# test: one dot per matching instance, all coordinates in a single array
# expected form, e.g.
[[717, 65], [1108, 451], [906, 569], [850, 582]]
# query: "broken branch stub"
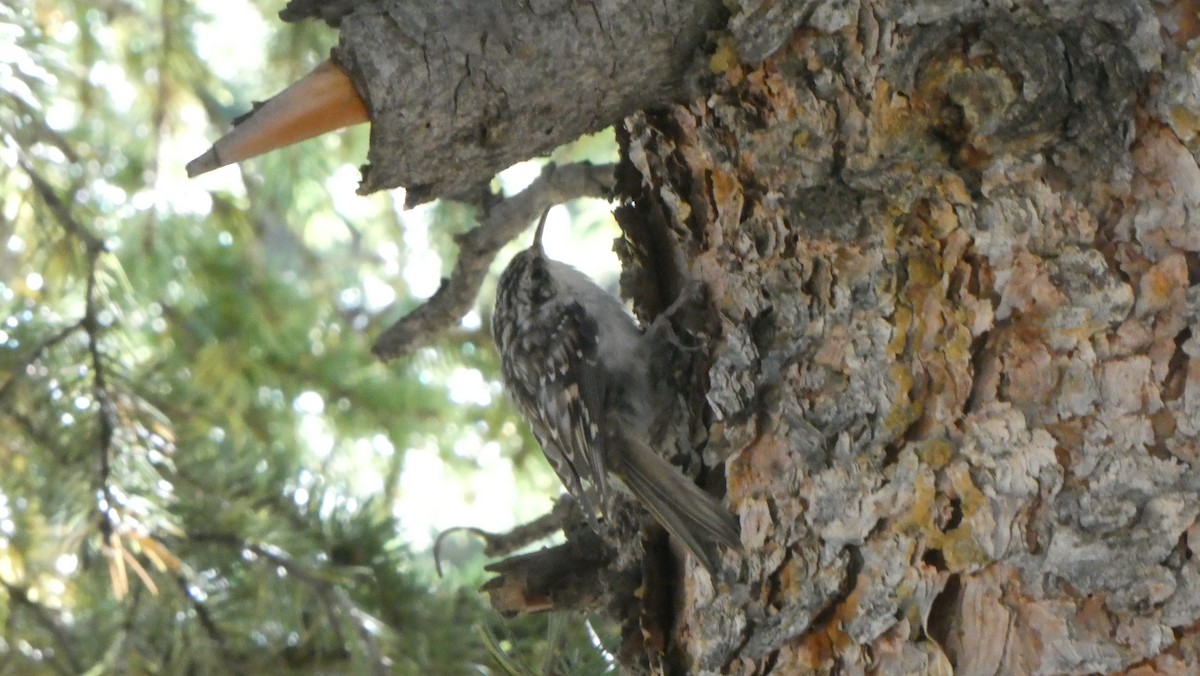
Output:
[[459, 90]]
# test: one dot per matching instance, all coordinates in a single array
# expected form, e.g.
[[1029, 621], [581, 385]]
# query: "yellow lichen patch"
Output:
[[955, 350], [960, 546], [961, 550], [725, 58], [1180, 19], [727, 198], [964, 100], [942, 218], [902, 320], [935, 453], [1185, 121], [919, 520], [1163, 285], [891, 112], [904, 410], [800, 139], [954, 189], [923, 272], [773, 89], [896, 128]]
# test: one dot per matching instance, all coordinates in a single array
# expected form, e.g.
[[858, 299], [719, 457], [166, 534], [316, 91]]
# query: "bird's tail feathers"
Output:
[[687, 512]]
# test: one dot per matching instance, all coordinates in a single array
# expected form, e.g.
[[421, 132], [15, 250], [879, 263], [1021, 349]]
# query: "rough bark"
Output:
[[952, 251], [460, 89], [952, 248]]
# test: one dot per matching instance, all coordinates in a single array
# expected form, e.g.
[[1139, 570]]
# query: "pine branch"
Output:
[[94, 247], [62, 214], [208, 624], [337, 603], [477, 249], [36, 354], [107, 415], [44, 617]]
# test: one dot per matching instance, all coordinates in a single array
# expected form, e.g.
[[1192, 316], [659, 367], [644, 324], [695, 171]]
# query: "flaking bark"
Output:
[[951, 255], [459, 90], [953, 251]]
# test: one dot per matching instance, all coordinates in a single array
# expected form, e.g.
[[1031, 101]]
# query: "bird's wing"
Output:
[[568, 410]]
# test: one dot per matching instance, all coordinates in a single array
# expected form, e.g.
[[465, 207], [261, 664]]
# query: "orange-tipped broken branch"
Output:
[[322, 101]]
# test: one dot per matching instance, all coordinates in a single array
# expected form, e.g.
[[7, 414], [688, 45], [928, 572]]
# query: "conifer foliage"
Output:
[[200, 460]]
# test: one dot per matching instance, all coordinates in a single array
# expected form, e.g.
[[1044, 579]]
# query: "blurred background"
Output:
[[203, 469]]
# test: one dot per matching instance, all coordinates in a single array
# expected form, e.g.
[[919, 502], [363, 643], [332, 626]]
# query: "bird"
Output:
[[578, 369]]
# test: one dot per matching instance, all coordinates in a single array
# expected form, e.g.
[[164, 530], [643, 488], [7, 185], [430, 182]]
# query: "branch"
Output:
[[108, 414], [558, 578], [92, 243], [94, 246], [458, 90], [478, 248], [503, 544], [34, 355], [42, 615], [365, 627], [30, 429], [336, 601], [208, 623], [329, 11]]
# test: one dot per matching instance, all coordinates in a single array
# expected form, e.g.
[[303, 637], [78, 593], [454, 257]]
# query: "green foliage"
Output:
[[202, 467]]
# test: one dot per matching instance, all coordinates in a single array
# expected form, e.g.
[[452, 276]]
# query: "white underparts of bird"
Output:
[[578, 369]]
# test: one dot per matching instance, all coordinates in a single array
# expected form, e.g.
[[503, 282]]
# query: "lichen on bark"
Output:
[[952, 252]]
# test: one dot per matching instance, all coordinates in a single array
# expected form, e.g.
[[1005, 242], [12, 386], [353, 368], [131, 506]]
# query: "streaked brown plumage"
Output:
[[578, 369]]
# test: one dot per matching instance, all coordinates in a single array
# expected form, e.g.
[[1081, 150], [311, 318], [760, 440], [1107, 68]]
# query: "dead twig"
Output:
[[503, 544], [477, 249]]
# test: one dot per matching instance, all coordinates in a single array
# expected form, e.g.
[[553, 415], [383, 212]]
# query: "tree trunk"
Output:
[[952, 252]]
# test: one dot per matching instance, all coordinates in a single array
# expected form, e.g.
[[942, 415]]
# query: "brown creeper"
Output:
[[578, 369]]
